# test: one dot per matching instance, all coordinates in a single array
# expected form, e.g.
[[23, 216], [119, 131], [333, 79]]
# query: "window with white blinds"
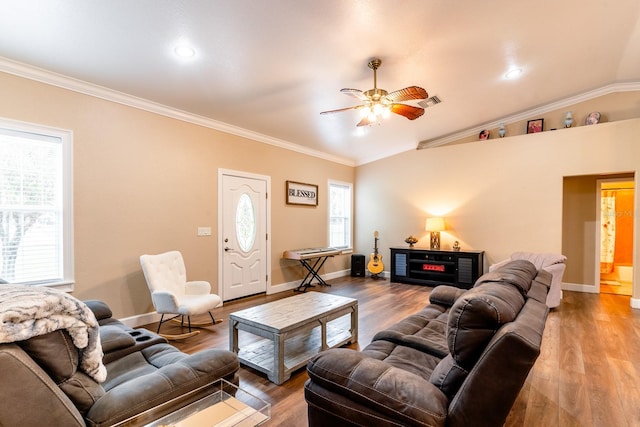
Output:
[[340, 201], [35, 205]]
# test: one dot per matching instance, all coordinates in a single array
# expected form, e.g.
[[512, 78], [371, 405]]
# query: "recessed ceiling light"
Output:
[[513, 74], [184, 51]]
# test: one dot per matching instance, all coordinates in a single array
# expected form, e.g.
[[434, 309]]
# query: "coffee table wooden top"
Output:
[[289, 313]]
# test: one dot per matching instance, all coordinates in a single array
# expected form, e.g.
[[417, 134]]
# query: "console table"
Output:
[[421, 266]]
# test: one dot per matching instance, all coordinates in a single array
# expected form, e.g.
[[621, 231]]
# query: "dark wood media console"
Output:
[[436, 267]]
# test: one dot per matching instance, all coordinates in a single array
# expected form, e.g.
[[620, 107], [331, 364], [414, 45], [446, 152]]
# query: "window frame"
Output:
[[349, 185], [66, 282]]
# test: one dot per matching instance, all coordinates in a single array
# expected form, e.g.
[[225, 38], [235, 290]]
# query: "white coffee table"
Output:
[[293, 330]]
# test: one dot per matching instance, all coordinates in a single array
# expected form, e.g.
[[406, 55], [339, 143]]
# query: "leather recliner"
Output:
[[146, 378]]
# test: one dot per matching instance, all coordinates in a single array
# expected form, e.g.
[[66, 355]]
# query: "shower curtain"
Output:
[[607, 230]]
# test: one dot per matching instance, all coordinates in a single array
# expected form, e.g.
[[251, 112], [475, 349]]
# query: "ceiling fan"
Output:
[[379, 103]]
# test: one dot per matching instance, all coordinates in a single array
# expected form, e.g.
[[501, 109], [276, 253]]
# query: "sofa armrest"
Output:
[[100, 309], [445, 295], [385, 389], [197, 287], [164, 302]]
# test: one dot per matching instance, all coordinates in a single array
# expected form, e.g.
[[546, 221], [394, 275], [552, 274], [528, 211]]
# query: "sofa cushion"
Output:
[[58, 343], [477, 315], [56, 354], [392, 391], [424, 331], [517, 273], [448, 376], [147, 378], [501, 371]]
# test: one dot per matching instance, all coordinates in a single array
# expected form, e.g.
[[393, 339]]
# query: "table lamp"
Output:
[[435, 226]]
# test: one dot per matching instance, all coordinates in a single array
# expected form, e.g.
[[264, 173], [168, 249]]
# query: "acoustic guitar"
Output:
[[375, 265]]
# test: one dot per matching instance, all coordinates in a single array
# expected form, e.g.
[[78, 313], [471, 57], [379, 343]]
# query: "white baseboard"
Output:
[[579, 287], [141, 319], [591, 289]]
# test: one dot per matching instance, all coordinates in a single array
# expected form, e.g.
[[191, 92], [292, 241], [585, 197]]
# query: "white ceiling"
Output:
[[270, 67]]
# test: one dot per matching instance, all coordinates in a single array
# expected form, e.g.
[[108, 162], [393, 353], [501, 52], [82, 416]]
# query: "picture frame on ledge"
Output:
[[535, 126], [299, 193]]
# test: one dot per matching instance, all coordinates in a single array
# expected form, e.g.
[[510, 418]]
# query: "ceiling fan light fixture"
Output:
[[378, 104], [372, 116]]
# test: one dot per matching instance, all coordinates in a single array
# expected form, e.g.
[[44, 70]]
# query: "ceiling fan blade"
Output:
[[408, 111], [340, 110], [356, 93], [407, 94], [364, 122]]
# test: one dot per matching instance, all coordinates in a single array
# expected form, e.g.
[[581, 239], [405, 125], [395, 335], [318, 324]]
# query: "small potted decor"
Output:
[[411, 240]]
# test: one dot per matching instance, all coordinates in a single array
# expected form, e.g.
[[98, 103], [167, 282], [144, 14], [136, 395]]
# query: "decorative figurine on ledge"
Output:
[[456, 246], [411, 240], [502, 131], [568, 120]]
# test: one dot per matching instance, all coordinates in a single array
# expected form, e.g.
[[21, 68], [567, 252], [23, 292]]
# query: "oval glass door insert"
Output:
[[245, 223]]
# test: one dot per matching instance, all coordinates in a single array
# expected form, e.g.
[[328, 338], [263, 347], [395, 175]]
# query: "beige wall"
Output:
[[144, 183], [500, 196]]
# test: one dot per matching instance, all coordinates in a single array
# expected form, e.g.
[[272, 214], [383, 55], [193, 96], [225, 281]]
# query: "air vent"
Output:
[[430, 102]]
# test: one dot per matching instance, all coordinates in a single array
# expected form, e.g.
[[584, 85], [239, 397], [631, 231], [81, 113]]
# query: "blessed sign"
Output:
[[299, 193]]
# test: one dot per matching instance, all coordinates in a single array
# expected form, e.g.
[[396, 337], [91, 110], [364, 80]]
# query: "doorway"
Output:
[[244, 252], [615, 270]]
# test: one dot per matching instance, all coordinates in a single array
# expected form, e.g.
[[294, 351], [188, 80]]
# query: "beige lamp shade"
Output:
[[434, 224]]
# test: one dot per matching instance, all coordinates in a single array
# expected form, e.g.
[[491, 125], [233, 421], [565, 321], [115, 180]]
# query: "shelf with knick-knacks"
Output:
[[539, 125]]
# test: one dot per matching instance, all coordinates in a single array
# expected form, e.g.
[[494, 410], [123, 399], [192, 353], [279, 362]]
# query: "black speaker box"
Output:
[[357, 265]]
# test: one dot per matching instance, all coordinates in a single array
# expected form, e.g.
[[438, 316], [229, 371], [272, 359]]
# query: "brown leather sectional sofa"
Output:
[[146, 378], [461, 361]]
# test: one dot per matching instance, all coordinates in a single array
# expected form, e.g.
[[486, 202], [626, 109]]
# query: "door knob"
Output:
[[227, 249]]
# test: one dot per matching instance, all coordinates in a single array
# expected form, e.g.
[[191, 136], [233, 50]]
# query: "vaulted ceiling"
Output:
[[267, 69]]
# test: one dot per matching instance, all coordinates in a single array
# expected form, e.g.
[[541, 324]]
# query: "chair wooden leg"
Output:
[[189, 326], [160, 324], [215, 322]]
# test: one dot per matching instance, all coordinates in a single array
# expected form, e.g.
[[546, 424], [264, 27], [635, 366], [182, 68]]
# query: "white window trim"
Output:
[[348, 249], [66, 136]]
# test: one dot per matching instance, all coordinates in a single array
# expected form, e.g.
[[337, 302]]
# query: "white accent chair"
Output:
[[553, 263], [166, 277]]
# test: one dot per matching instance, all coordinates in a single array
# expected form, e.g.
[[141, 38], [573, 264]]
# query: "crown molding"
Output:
[[45, 76], [566, 102]]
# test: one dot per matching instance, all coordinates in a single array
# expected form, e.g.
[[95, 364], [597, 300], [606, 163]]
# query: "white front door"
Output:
[[243, 234]]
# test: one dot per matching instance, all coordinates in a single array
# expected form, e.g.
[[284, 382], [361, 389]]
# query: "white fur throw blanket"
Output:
[[29, 311]]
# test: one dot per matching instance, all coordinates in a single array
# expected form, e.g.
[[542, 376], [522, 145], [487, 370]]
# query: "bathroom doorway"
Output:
[[615, 237]]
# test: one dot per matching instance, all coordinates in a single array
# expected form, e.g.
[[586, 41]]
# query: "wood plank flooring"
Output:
[[588, 372]]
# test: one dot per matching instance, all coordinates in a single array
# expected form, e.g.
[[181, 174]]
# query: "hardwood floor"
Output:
[[588, 372]]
